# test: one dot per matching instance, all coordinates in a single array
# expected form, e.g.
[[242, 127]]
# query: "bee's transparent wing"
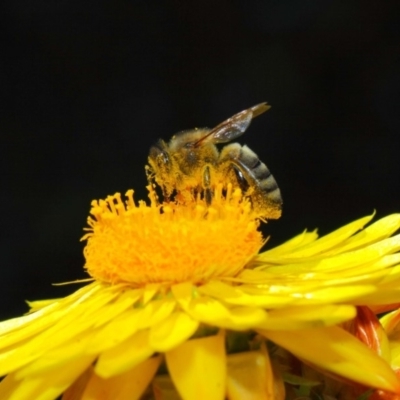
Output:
[[233, 127]]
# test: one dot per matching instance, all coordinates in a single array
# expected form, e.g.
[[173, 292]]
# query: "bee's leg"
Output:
[[152, 182], [253, 178], [231, 172], [149, 174], [159, 169], [207, 184], [151, 179]]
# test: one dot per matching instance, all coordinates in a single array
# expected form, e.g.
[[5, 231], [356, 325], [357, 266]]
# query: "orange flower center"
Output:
[[170, 243]]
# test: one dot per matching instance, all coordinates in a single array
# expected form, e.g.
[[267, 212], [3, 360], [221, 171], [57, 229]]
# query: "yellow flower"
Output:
[[181, 302]]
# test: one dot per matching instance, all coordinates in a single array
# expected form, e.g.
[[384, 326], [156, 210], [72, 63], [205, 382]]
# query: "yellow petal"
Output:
[[332, 239], [391, 324], [336, 350], [208, 310], [174, 330], [127, 386], [150, 291], [37, 305], [72, 321], [392, 274], [198, 368], [124, 356], [250, 377], [126, 300], [129, 322], [289, 246], [246, 317], [15, 358], [382, 296], [20, 329], [42, 317], [235, 295], [395, 354], [115, 331], [335, 294], [381, 229], [47, 386], [308, 291], [214, 312], [305, 317], [65, 355], [362, 256], [298, 296], [183, 293]]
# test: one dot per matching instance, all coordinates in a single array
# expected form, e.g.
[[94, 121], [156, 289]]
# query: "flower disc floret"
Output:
[[170, 243]]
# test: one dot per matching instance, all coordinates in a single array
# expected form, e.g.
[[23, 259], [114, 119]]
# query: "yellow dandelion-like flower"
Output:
[[183, 305]]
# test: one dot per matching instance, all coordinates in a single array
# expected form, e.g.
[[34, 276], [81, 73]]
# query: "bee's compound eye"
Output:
[[158, 154]]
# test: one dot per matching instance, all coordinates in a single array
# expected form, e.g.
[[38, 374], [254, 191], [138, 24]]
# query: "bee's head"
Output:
[[159, 155]]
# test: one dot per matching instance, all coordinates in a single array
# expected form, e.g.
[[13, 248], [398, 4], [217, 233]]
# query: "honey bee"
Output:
[[190, 165]]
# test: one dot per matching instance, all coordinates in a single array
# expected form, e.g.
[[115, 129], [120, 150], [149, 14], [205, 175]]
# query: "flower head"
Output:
[[181, 302]]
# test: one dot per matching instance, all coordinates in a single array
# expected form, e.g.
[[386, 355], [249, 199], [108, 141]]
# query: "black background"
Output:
[[86, 87]]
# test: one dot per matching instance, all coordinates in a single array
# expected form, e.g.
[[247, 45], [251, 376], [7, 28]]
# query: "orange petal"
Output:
[[367, 328], [75, 391]]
